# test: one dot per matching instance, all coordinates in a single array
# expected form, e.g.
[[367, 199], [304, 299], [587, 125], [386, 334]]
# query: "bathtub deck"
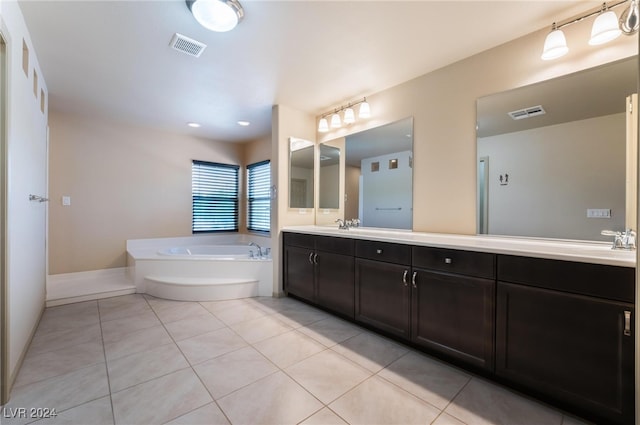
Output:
[[78, 287]]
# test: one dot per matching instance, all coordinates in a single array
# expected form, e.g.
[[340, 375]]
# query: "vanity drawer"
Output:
[[384, 251], [478, 264], [298, 239], [334, 245], [603, 281]]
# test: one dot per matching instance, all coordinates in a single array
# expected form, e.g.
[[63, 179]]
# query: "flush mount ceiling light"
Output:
[[193, 124], [244, 123], [606, 27], [216, 15], [348, 117]]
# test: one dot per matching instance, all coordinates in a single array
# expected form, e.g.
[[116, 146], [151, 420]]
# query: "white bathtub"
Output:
[[200, 268], [218, 252]]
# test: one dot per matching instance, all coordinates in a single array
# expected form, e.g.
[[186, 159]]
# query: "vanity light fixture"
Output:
[[216, 15], [365, 109], [555, 45], [606, 27], [335, 120], [323, 125], [348, 117]]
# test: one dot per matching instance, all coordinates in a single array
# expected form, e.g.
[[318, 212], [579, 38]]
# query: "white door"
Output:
[[26, 218], [3, 223]]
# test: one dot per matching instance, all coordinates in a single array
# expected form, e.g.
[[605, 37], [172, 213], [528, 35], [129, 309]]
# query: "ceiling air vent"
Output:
[[187, 45], [527, 112]]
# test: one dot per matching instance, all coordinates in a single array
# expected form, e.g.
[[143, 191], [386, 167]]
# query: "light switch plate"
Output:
[[66, 201]]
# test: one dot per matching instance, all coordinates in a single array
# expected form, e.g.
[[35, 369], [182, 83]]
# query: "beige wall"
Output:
[[443, 104], [285, 122], [125, 182]]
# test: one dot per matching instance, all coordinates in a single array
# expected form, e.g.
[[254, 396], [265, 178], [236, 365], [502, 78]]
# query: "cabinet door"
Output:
[[335, 282], [382, 297], [454, 315], [299, 269], [578, 349]]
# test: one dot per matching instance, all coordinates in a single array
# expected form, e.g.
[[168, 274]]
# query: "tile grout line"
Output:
[[106, 365], [191, 366]]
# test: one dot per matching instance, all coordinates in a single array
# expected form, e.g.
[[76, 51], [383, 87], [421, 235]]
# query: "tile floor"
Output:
[[136, 359]]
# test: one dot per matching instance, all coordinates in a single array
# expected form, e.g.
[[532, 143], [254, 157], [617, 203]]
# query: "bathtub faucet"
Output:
[[259, 248]]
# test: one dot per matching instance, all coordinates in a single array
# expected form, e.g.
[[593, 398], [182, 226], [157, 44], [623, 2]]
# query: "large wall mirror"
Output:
[[374, 181], [551, 156], [329, 177], [301, 173]]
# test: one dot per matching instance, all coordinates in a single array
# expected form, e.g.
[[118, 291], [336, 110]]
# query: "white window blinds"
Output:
[[259, 196], [215, 197]]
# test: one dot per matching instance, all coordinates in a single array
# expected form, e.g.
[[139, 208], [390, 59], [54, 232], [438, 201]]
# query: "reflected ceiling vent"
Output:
[[187, 45], [527, 112]]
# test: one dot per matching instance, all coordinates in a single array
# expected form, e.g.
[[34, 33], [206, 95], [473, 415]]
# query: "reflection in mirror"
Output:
[[378, 176], [329, 177], [551, 156], [300, 173]]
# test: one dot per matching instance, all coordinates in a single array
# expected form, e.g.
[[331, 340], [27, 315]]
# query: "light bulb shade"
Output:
[[216, 15], [630, 19], [323, 125], [335, 121], [555, 45], [364, 111], [605, 28], [349, 116]]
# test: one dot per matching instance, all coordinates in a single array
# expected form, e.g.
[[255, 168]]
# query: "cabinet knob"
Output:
[[378, 251], [448, 260]]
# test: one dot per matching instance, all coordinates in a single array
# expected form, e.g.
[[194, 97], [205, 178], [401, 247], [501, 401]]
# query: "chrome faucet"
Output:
[[354, 222], [626, 240], [257, 246], [347, 224], [342, 224]]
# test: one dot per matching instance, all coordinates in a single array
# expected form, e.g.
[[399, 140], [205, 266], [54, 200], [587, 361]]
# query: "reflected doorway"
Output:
[[483, 195]]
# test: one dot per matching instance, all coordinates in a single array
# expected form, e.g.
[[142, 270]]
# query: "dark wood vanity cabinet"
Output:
[[320, 269], [299, 269], [565, 330], [453, 306], [559, 330], [382, 287]]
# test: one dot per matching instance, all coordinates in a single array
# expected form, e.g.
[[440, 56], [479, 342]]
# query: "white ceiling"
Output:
[[112, 58]]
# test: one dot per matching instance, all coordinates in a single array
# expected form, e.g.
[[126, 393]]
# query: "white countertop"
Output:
[[585, 252]]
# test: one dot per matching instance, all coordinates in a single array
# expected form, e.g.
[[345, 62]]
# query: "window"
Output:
[[214, 189], [259, 196]]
